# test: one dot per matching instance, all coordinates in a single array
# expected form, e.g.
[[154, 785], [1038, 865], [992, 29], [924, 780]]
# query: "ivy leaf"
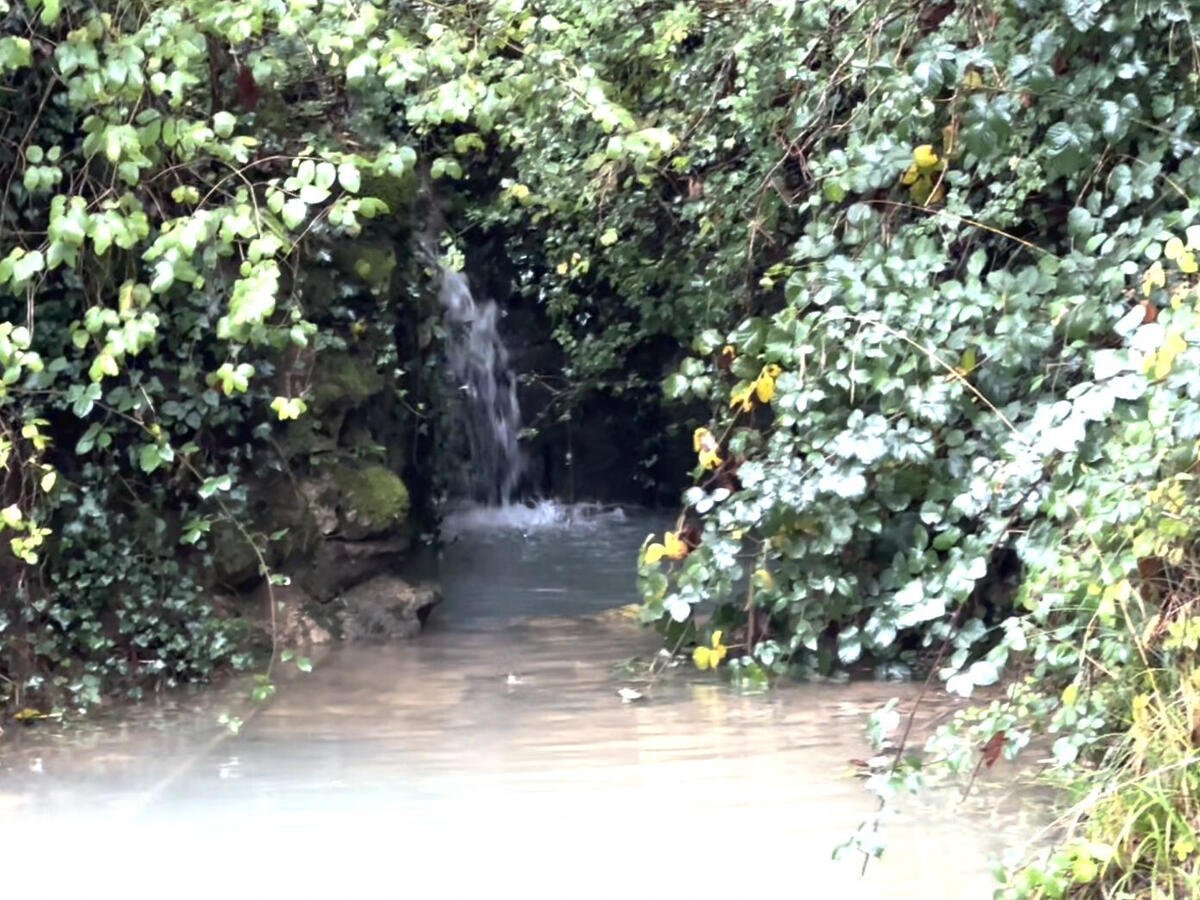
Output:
[[148, 458], [849, 645]]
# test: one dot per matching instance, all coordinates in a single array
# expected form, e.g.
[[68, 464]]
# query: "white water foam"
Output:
[[530, 518]]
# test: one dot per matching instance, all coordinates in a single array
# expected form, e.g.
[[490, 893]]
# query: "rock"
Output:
[[384, 607], [294, 624], [338, 565], [357, 503], [372, 501], [301, 629]]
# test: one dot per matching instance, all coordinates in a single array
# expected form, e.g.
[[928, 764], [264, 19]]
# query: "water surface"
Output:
[[491, 755]]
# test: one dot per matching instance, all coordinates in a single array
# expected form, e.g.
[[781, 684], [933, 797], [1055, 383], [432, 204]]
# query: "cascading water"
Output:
[[492, 415]]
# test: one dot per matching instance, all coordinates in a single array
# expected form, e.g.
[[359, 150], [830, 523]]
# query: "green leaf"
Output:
[[849, 645], [349, 177], [25, 267], [294, 212], [326, 176], [1084, 869], [223, 123], [148, 458]]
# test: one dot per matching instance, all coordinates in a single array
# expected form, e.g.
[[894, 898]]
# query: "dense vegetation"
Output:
[[916, 282]]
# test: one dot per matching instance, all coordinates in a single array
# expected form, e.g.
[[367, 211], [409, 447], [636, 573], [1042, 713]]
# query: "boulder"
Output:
[[338, 565], [385, 606], [295, 625]]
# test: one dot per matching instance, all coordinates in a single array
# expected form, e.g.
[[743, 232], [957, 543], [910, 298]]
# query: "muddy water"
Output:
[[491, 756]]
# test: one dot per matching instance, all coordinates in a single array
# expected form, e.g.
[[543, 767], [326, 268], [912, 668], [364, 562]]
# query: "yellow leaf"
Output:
[[701, 656], [910, 175], [1173, 249], [1140, 704], [707, 447], [764, 579], [1070, 694], [673, 546], [1164, 359], [716, 638], [1184, 847], [717, 655], [925, 156], [764, 387], [921, 190], [948, 139], [654, 553], [1187, 263], [561, 268], [1155, 277], [27, 714], [973, 81], [968, 362]]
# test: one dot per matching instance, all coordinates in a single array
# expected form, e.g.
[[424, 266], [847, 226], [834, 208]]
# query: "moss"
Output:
[[373, 262], [397, 191], [372, 498], [375, 266], [343, 380]]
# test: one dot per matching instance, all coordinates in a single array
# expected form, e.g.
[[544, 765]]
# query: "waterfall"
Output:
[[490, 411]]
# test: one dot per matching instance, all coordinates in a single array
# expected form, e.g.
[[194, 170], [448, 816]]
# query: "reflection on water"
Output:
[[491, 755]]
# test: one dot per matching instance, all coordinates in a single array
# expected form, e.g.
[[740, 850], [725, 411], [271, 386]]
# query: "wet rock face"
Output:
[[384, 607]]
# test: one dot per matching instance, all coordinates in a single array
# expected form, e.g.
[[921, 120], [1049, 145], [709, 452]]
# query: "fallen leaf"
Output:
[[993, 748]]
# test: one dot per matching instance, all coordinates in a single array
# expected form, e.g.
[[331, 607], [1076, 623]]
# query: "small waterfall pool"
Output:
[[490, 757]]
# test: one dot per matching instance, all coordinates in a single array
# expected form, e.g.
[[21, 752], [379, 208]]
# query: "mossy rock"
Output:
[[397, 191], [372, 500], [234, 561], [344, 381]]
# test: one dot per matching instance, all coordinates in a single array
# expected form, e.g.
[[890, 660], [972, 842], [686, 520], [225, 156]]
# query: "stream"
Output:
[[491, 756]]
